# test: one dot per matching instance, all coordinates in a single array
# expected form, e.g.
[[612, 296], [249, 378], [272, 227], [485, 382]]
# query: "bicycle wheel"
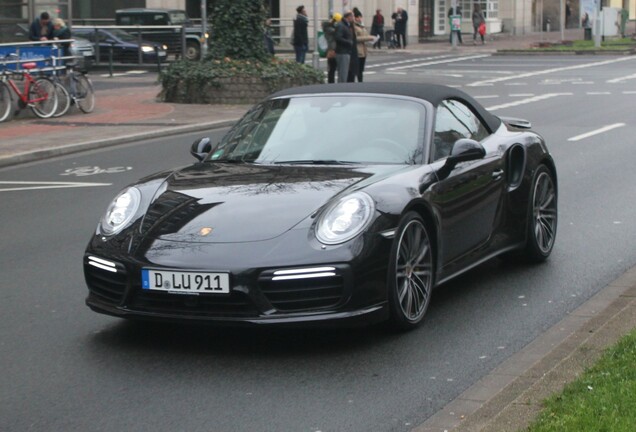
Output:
[[43, 98], [84, 94], [6, 104], [63, 100]]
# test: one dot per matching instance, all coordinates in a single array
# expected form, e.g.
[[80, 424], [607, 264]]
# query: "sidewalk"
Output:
[[509, 397]]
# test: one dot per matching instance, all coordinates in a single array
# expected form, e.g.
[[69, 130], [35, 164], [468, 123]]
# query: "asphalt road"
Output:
[[65, 368]]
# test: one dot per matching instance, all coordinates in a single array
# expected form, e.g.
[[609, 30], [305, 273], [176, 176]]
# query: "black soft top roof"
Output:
[[429, 92]]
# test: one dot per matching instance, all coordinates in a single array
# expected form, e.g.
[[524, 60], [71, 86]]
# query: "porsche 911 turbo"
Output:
[[339, 204]]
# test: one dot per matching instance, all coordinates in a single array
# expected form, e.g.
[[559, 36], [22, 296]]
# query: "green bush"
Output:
[[186, 81], [237, 30]]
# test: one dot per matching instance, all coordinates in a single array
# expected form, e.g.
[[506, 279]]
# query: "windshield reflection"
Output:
[[327, 129]]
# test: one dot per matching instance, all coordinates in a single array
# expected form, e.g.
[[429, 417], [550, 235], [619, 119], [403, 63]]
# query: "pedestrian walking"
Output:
[[344, 44], [479, 24], [362, 37], [41, 28], [377, 28], [329, 30], [301, 38], [400, 18], [458, 32], [268, 40]]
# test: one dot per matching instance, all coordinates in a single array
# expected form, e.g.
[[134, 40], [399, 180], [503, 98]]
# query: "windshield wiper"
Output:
[[316, 162]]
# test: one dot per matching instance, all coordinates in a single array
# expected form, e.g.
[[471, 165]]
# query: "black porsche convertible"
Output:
[[339, 204]]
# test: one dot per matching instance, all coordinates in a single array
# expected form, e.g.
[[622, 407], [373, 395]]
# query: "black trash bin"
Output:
[[587, 35]]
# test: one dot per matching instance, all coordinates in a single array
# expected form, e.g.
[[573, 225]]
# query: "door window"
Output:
[[454, 120]]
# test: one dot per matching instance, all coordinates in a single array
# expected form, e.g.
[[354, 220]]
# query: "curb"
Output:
[[510, 397], [22, 158]]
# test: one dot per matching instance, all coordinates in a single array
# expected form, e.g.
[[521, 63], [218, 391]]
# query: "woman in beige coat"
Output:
[[362, 36]]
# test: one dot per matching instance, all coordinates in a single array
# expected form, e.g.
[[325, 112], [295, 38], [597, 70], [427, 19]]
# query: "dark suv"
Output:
[[171, 37]]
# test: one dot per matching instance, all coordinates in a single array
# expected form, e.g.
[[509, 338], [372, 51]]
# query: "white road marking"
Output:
[[516, 84], [625, 78], [487, 97], [596, 132], [396, 73], [597, 93], [629, 92], [393, 63], [527, 101], [548, 71], [22, 185], [443, 61], [583, 82], [521, 94]]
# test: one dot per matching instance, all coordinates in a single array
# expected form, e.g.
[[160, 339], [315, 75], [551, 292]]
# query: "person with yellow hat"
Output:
[[329, 30]]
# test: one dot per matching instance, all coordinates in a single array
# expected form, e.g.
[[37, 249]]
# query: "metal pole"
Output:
[[597, 25], [315, 60], [204, 29], [562, 22], [453, 34]]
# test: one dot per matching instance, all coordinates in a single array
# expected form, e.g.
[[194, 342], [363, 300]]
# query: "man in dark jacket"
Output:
[[400, 18], [377, 28], [301, 38], [345, 41], [41, 28]]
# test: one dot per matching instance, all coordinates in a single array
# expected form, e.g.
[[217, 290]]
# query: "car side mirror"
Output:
[[200, 148], [464, 150]]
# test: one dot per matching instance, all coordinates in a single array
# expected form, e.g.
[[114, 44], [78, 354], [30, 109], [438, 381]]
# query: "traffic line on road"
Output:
[[620, 79], [436, 62], [596, 132], [487, 97], [394, 63], [548, 71], [33, 185], [528, 100], [598, 93]]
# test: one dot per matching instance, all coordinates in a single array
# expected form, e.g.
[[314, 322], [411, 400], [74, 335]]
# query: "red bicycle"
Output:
[[37, 93]]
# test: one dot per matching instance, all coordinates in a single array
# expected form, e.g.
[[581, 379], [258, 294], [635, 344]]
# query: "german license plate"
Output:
[[185, 282]]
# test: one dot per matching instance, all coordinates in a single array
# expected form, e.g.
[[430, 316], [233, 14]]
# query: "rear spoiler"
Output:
[[516, 122]]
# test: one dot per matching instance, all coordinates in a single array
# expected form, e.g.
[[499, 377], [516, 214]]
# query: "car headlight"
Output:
[[147, 49], [121, 211], [164, 46], [345, 219]]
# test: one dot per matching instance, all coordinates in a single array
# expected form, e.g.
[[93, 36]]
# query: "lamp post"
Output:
[[204, 29], [315, 59]]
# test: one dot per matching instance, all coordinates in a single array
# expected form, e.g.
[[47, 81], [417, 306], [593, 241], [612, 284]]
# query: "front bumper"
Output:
[[354, 294]]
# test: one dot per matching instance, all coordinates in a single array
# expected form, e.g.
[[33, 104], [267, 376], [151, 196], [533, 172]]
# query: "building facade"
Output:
[[427, 18]]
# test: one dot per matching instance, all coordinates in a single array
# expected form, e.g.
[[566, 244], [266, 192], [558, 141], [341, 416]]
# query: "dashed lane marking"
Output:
[[596, 131], [394, 63], [620, 79], [528, 100], [548, 71], [436, 62]]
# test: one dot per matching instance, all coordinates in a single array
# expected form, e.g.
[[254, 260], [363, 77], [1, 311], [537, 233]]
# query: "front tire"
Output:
[[84, 92], [6, 103], [411, 272], [43, 91], [193, 51], [542, 217], [63, 100]]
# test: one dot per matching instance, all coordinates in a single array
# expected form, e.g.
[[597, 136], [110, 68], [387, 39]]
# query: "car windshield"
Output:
[[123, 35], [178, 18], [327, 129]]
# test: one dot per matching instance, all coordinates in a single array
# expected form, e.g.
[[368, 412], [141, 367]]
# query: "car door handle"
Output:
[[497, 174]]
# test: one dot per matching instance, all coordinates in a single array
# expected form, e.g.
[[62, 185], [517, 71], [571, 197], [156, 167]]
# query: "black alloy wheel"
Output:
[[410, 272], [542, 218]]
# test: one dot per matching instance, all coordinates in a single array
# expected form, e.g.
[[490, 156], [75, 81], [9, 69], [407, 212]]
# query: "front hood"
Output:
[[217, 202]]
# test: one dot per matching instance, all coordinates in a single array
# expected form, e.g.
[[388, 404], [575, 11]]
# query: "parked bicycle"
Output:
[[75, 89], [39, 94]]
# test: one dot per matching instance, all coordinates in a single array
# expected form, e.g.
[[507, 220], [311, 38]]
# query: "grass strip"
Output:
[[603, 398]]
